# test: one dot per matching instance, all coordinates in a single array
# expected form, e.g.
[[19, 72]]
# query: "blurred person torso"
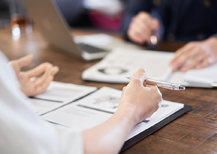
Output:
[[181, 20]]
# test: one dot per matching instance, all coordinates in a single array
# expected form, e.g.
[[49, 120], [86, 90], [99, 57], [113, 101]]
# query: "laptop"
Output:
[[56, 31]]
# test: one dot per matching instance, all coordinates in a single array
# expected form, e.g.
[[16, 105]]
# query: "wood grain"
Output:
[[193, 133]]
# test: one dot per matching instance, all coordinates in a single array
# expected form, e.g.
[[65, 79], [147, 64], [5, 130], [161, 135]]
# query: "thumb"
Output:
[[25, 61]]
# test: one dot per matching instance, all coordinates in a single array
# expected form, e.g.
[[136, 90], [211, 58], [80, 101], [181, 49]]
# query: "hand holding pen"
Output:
[[144, 29]]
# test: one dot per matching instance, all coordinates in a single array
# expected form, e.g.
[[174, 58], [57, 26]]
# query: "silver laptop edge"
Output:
[[55, 29]]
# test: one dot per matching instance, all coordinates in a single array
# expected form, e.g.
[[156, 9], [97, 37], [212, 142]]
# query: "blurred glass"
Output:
[[20, 21]]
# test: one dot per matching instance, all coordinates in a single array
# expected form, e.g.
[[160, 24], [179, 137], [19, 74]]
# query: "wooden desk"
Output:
[[194, 132]]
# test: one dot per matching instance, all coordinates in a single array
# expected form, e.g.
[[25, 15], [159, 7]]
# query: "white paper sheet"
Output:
[[178, 77], [59, 94], [122, 62], [206, 75], [125, 62], [99, 106]]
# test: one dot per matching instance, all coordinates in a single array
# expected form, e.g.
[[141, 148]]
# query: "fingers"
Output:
[[180, 56], [155, 90], [188, 57], [43, 82], [193, 63], [25, 61], [42, 88], [206, 62], [38, 70], [123, 88], [40, 80], [139, 76], [147, 20], [18, 64], [141, 28], [54, 71], [40, 84]]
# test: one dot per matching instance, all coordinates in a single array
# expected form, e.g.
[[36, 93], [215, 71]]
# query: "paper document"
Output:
[[125, 62], [205, 75], [59, 94], [99, 106], [122, 62]]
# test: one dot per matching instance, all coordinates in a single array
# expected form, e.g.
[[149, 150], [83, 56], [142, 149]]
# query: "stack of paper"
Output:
[[124, 62], [99, 106]]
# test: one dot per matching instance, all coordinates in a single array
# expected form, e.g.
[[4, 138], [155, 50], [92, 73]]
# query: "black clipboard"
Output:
[[156, 127]]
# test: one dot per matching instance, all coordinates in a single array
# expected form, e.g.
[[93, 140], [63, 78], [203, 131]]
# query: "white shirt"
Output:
[[21, 130]]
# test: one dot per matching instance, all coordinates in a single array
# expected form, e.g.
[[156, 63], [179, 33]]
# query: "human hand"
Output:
[[43, 75], [141, 28], [195, 55], [141, 99]]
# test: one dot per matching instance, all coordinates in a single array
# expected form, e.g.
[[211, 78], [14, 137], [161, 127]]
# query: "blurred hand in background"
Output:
[[195, 55], [142, 27]]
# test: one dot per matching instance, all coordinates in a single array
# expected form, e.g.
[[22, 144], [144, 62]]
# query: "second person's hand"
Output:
[[195, 55], [42, 74], [141, 28]]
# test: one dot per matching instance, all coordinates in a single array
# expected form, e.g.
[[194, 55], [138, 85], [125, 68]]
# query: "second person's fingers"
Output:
[[184, 57], [55, 70], [193, 63], [40, 80], [42, 88], [204, 63], [24, 61], [38, 70]]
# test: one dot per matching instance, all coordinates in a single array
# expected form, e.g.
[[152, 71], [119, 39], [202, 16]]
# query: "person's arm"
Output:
[[137, 103], [195, 55], [27, 133]]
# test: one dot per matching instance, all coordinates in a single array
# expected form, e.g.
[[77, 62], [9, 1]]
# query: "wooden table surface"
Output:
[[194, 132]]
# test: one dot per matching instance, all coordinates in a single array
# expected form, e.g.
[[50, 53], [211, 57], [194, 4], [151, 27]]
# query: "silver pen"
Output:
[[162, 84]]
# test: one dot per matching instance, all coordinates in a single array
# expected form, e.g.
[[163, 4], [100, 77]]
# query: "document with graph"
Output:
[[99, 106], [120, 63], [125, 62]]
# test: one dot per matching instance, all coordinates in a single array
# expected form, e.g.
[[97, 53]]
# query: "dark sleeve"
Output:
[[133, 8], [4, 6], [215, 35], [72, 10]]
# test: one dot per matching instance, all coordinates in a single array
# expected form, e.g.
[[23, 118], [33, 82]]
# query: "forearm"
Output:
[[109, 136]]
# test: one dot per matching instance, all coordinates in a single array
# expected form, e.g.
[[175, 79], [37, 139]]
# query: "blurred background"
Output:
[[103, 15]]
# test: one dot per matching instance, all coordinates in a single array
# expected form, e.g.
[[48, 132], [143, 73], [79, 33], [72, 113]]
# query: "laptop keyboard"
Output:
[[90, 48]]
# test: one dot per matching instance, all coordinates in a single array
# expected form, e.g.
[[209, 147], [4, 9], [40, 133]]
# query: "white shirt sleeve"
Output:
[[21, 130]]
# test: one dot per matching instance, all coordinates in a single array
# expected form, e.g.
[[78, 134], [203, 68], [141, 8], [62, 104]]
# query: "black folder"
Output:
[[156, 127]]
